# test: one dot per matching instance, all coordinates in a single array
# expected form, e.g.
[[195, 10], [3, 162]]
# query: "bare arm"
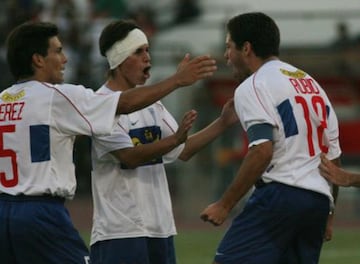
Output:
[[189, 72], [336, 175], [200, 139], [253, 166], [135, 156], [335, 191]]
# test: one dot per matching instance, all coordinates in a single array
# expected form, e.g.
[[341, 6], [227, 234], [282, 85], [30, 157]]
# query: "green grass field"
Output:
[[198, 246]]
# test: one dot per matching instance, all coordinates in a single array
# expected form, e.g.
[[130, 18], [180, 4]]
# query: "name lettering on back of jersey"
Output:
[[301, 84], [11, 111], [304, 86]]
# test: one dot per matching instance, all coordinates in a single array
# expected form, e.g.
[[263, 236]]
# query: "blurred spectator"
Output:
[[110, 8], [144, 17], [186, 10], [343, 39], [14, 12]]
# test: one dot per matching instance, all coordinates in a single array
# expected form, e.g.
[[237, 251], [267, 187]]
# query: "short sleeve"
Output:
[[78, 110]]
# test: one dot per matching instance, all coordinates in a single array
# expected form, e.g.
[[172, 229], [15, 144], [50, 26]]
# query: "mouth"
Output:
[[146, 72]]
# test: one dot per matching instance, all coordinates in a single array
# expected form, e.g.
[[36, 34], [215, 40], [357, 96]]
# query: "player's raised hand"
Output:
[[191, 70], [185, 125], [228, 114]]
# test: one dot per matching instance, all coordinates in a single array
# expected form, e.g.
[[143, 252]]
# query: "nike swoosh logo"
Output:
[[134, 123]]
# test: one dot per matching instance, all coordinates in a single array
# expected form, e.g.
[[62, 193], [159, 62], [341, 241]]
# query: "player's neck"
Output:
[[117, 85]]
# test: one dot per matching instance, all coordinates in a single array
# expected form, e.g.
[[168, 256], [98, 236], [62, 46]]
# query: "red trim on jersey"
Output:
[[68, 99], [257, 96], [166, 123]]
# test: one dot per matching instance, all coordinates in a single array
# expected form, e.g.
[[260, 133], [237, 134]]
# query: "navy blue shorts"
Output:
[[280, 224], [137, 250], [38, 230]]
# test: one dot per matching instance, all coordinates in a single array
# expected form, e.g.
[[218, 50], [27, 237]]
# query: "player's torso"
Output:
[[27, 134], [134, 193], [297, 107]]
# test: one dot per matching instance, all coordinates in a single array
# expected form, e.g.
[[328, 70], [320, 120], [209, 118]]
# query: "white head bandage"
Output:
[[124, 48]]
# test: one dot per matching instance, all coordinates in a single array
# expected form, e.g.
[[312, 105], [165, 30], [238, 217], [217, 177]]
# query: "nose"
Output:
[[64, 59], [225, 55], [147, 56]]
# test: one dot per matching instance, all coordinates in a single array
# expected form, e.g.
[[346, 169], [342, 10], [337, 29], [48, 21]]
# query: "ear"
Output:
[[247, 47], [37, 60]]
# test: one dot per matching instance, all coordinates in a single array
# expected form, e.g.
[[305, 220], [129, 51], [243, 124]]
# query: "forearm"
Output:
[[354, 179], [199, 140], [335, 189], [137, 98], [134, 156], [252, 167]]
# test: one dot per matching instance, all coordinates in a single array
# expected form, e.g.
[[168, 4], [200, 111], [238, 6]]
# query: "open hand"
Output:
[[191, 70]]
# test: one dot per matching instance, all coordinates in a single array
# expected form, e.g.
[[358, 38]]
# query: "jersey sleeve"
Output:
[[118, 139], [81, 111], [253, 106]]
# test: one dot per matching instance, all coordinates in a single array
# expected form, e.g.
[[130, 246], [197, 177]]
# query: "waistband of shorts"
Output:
[[260, 183], [25, 198]]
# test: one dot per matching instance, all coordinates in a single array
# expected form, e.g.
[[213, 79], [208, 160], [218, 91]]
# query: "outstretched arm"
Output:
[[189, 72], [200, 139], [135, 156]]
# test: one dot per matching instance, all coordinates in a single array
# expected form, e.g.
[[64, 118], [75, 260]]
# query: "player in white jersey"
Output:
[[39, 119], [289, 122], [133, 220]]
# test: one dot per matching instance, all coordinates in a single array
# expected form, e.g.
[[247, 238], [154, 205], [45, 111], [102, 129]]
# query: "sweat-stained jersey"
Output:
[[132, 202], [304, 123], [38, 125]]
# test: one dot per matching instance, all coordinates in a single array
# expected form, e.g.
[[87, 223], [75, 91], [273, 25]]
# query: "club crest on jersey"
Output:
[[145, 135], [298, 74], [7, 97]]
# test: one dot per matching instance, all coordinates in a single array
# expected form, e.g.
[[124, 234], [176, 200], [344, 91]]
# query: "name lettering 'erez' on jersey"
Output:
[[303, 119], [38, 125]]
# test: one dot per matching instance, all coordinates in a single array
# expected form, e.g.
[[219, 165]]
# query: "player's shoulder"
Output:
[[68, 86], [73, 90]]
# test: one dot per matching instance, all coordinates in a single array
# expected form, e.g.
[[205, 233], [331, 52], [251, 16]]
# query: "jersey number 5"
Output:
[[8, 153], [318, 104]]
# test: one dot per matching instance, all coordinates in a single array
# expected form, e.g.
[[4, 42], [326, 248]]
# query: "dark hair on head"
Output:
[[115, 31], [23, 42], [259, 30]]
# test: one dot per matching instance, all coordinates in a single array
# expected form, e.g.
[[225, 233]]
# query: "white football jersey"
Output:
[[304, 123], [133, 202], [38, 125]]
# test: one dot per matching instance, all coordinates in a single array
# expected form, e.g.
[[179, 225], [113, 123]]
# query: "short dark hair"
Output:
[[113, 32], [259, 30], [23, 42]]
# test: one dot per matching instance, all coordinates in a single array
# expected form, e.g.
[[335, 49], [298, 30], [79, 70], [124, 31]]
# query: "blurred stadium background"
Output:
[[322, 37]]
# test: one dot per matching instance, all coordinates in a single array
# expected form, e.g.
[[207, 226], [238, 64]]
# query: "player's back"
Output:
[[304, 122], [38, 125], [26, 124]]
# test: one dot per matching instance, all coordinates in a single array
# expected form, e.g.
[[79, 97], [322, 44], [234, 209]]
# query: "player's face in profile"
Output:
[[235, 58], [55, 62], [136, 68]]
